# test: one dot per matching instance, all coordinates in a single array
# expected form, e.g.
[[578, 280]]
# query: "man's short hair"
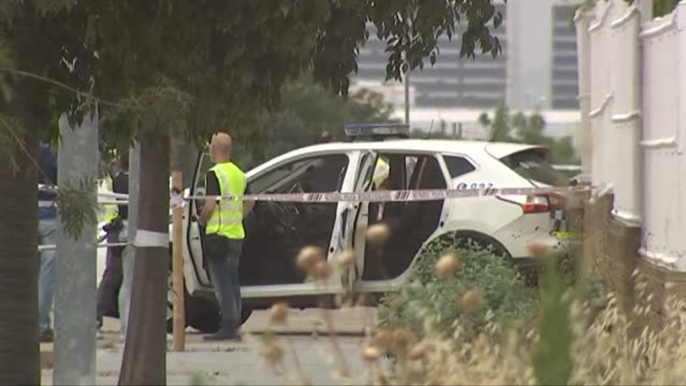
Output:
[[222, 142]]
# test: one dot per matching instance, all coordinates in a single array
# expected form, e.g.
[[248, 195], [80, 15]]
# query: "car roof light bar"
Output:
[[377, 130]]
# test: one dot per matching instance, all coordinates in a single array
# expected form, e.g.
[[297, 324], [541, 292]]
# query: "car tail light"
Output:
[[536, 203]]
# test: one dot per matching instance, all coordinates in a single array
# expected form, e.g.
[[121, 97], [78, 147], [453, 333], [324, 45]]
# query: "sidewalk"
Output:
[[241, 363]]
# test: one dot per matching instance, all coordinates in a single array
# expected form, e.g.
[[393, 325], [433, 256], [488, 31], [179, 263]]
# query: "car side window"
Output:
[[458, 166], [427, 174], [309, 175], [205, 165], [410, 171]]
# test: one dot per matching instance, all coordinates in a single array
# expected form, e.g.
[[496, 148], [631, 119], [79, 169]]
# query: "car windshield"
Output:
[[533, 165]]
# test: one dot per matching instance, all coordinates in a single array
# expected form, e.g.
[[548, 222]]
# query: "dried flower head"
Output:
[[537, 249], [308, 257], [383, 339], [402, 339], [279, 313], [447, 265], [371, 353], [419, 351], [378, 234], [272, 352], [321, 270], [346, 259], [470, 299]]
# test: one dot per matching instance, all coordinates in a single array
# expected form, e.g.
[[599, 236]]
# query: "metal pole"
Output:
[[129, 252], [75, 281]]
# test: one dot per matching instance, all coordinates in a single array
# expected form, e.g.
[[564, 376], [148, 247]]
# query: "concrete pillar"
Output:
[[75, 281], [646, 9]]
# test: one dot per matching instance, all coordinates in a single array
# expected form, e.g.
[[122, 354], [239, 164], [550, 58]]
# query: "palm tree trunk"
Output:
[[145, 350], [19, 350]]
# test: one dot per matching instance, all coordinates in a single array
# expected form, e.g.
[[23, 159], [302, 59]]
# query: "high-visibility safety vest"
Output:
[[227, 218], [381, 172]]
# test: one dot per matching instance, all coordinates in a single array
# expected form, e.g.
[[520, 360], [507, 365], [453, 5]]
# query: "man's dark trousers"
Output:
[[223, 257]]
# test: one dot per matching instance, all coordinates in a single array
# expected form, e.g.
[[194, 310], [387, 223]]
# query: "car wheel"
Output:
[[170, 303], [206, 317], [201, 314]]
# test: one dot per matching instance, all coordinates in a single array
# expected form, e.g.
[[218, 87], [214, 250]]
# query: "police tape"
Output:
[[50, 247], [179, 200], [394, 195]]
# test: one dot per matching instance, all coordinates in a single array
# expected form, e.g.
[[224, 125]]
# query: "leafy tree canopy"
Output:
[[228, 59], [306, 112]]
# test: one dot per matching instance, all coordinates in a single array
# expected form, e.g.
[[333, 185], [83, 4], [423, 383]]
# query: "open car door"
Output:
[[352, 220], [194, 232]]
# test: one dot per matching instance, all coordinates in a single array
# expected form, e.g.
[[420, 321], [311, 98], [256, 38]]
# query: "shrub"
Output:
[[487, 288]]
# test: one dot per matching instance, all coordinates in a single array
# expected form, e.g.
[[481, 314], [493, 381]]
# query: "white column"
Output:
[[75, 274], [584, 67]]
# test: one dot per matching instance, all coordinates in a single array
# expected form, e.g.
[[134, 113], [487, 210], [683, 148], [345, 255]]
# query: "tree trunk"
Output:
[[177, 163], [19, 349], [145, 350]]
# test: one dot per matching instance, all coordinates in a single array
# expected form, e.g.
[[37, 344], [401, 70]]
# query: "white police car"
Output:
[[276, 232]]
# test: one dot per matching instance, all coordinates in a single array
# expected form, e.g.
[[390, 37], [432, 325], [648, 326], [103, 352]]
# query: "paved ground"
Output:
[[233, 364]]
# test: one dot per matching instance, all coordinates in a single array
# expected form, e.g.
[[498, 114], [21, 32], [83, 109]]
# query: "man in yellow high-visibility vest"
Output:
[[381, 173], [224, 233]]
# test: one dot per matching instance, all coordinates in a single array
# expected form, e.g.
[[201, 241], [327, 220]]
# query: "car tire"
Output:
[[201, 314]]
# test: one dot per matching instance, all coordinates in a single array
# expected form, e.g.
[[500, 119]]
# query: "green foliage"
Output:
[[77, 205], [499, 125], [160, 109], [506, 127], [504, 296], [10, 133], [231, 57], [663, 7], [552, 358], [306, 111]]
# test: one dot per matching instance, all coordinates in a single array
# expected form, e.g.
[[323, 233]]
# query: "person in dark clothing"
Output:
[[108, 291], [47, 233]]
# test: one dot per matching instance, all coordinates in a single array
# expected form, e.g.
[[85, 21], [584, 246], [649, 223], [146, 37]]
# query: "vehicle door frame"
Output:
[[192, 234], [395, 283]]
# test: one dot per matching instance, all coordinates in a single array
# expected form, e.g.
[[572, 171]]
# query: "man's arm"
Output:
[[210, 203]]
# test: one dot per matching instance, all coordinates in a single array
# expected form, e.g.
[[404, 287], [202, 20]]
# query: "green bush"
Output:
[[428, 302]]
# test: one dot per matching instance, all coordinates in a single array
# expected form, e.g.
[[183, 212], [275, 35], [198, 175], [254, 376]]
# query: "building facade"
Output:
[[451, 81], [536, 69]]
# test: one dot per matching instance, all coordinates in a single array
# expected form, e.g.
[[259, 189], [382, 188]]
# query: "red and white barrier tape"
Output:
[[396, 195], [176, 199]]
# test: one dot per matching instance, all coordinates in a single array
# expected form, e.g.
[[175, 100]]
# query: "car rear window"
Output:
[[533, 165], [458, 166]]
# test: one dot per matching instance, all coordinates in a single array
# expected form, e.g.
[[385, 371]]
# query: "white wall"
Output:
[[637, 111]]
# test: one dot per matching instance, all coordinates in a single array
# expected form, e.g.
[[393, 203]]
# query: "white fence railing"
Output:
[[634, 79]]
